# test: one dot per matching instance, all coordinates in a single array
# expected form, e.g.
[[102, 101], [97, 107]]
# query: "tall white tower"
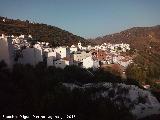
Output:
[[79, 45]]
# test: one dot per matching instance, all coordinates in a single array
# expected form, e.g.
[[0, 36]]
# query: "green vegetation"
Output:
[[40, 32], [145, 69]]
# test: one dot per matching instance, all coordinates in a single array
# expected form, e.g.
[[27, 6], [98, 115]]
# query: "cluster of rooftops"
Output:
[[21, 49]]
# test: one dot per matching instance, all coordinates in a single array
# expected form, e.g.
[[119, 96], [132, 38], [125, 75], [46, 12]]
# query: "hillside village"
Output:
[[80, 60], [23, 49]]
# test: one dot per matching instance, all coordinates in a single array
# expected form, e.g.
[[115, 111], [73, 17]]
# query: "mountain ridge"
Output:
[[140, 38]]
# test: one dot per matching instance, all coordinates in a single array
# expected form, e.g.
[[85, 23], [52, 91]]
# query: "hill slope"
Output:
[[140, 38], [146, 41], [40, 32]]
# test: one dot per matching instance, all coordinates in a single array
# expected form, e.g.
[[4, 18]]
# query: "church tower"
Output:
[[79, 45]]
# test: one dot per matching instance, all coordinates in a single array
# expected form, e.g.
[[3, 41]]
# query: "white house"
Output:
[[73, 49], [89, 47], [16, 40], [96, 47], [51, 56], [21, 36], [80, 55], [62, 63], [6, 50], [38, 53], [84, 48], [46, 50], [62, 52], [32, 55], [125, 63], [4, 20], [89, 62], [28, 56], [30, 36]]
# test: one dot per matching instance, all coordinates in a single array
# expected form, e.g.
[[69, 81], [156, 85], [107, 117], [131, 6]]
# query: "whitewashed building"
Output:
[[80, 55], [62, 63], [51, 56], [89, 47], [6, 50], [73, 49], [21, 36], [32, 55], [89, 62], [62, 52], [30, 36]]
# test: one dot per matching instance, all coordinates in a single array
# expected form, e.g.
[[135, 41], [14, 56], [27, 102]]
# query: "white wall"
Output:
[[61, 63], [96, 64], [6, 50], [38, 53], [90, 63], [28, 56], [62, 52], [73, 49], [50, 57], [79, 56], [31, 56]]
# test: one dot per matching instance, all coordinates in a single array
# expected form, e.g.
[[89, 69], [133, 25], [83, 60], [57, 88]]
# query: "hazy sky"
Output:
[[86, 18]]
